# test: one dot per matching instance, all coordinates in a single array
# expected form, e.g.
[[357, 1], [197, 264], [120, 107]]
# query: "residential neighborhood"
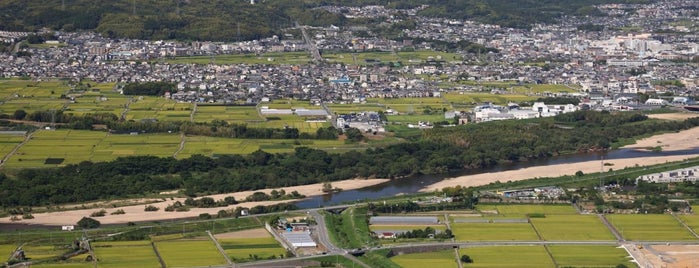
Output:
[[608, 68]]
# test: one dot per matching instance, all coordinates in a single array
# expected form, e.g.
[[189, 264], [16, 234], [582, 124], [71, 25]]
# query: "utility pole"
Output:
[[601, 174]]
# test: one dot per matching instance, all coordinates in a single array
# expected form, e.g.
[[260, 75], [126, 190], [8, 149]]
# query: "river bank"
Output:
[[135, 213], [679, 141]]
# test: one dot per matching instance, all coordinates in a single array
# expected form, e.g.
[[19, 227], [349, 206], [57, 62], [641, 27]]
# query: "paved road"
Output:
[[322, 232]]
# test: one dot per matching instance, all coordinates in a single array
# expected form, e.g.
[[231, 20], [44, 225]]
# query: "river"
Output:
[[416, 183]]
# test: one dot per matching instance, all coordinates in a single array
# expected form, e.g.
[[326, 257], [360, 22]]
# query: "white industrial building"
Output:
[[299, 239]]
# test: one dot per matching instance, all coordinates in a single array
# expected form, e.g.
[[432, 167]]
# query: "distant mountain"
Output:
[[162, 19], [229, 20]]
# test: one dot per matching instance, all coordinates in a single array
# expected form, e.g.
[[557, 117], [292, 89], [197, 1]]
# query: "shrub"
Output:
[[118, 212], [466, 259], [100, 213], [88, 223], [151, 208]]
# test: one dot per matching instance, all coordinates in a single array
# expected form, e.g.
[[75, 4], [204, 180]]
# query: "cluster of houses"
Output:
[[690, 174], [387, 233], [537, 193]]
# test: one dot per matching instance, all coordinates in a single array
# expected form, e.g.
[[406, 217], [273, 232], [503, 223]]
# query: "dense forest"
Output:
[[225, 20], [438, 151], [149, 88]]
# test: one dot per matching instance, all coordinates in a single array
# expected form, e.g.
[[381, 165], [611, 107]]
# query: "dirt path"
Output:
[[183, 139]]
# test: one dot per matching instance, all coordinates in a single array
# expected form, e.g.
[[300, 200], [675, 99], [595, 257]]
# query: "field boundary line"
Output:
[[157, 254], [11, 153], [611, 228], [194, 111], [183, 139], [220, 248], [685, 225], [548, 252], [458, 260]]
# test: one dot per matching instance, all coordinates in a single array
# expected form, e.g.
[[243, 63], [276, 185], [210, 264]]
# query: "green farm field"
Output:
[[474, 98], [189, 252], [43, 96], [691, 220], [242, 249], [650, 227], [289, 104], [582, 256], [295, 58], [81, 145], [405, 227], [406, 58], [8, 143], [508, 256], [571, 228], [230, 114], [7, 249], [414, 119], [356, 108], [41, 251], [430, 259], [513, 210], [125, 254], [493, 232], [544, 88], [73, 263], [292, 121]]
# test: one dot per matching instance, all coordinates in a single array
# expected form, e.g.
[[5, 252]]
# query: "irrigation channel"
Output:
[[416, 183]]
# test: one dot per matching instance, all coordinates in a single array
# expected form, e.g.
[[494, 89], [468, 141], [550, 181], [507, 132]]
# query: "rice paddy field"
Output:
[[231, 114], [440, 259], [414, 119], [466, 99], [8, 143], [589, 256], [248, 249], [73, 263], [508, 256], [289, 104], [7, 249], [356, 108], [37, 251], [295, 58], [189, 252], [571, 228], [649, 227], [512, 210], [75, 146], [125, 254], [43, 96], [493, 232], [405, 227], [158, 108], [691, 220], [544, 88], [406, 58], [293, 121]]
